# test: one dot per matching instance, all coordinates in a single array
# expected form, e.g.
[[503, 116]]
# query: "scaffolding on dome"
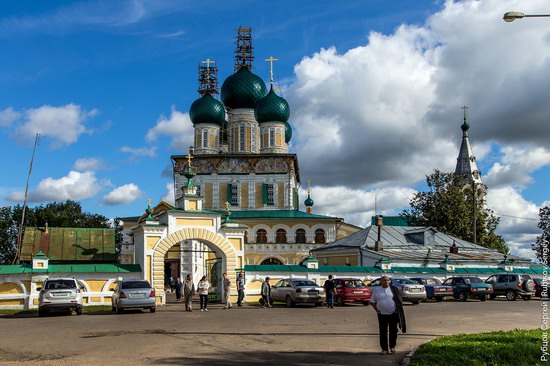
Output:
[[208, 78], [243, 53]]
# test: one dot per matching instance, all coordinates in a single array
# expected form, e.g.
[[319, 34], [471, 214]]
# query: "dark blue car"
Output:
[[434, 288]]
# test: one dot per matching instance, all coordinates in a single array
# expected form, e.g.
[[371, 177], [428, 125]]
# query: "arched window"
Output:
[[280, 236], [300, 236], [320, 236], [246, 237], [271, 261], [261, 236]]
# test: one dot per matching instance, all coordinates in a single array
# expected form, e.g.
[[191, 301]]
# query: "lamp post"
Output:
[[513, 15]]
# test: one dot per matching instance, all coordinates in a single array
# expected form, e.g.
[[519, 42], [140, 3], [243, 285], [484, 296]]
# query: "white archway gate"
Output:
[[211, 238]]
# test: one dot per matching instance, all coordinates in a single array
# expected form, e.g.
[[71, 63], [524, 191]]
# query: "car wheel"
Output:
[[526, 298], [118, 309], [113, 309], [438, 299], [288, 301], [153, 309], [483, 298], [366, 303], [492, 296], [462, 296], [511, 295], [416, 302], [41, 312], [340, 301], [79, 311]]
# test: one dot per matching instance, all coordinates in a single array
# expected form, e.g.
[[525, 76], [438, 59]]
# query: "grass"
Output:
[[86, 309], [517, 347]]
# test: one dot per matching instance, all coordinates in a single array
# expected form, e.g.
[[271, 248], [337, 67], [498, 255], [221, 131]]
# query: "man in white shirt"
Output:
[[387, 303]]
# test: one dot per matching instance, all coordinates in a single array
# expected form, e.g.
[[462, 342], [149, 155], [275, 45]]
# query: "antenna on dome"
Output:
[[243, 53], [208, 77]]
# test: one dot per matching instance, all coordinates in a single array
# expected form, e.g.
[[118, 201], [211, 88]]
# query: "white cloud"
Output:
[[8, 116], [63, 125], [122, 195], [178, 127], [139, 152], [75, 186], [169, 194], [88, 164]]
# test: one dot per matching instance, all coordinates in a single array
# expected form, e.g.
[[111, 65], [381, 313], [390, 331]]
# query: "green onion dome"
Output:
[[465, 126], [207, 110], [243, 89], [272, 108], [288, 132], [308, 202]]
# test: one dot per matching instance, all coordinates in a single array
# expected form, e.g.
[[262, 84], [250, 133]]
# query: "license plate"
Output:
[[139, 294], [415, 290], [60, 293], [313, 292], [357, 292]]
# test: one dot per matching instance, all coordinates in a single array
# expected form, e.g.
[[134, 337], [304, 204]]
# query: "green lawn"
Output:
[[517, 347]]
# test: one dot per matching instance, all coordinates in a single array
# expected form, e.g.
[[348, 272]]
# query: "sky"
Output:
[[375, 89]]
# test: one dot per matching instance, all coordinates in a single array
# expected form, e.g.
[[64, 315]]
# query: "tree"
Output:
[[448, 206], [56, 214], [542, 244]]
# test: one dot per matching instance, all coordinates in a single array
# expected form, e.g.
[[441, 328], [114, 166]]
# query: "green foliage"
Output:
[[542, 243], [448, 206], [56, 214], [517, 347]]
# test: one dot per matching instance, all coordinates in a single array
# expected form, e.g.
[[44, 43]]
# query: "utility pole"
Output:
[[17, 257]]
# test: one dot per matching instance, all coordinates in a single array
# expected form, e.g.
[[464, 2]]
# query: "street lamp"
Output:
[[513, 15]]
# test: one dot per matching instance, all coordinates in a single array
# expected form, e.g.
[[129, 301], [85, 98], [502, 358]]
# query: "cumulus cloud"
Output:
[[88, 164], [75, 186], [169, 194], [62, 125], [122, 195], [8, 116], [178, 127], [139, 152]]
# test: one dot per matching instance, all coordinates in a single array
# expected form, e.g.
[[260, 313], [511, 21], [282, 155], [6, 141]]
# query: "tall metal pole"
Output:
[[17, 257], [474, 215]]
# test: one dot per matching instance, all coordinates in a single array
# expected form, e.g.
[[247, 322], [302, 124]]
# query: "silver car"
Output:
[[409, 290], [297, 290], [59, 294], [133, 294]]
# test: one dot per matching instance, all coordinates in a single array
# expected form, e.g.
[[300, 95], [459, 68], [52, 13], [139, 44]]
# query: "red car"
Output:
[[351, 290]]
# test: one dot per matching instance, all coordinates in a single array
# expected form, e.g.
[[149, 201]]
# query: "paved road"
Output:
[[245, 336]]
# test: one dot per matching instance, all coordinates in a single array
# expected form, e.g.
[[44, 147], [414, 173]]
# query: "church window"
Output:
[[198, 189], [271, 261], [261, 236], [246, 236], [271, 137], [300, 236], [242, 138], [270, 194], [234, 195], [205, 138], [280, 236], [320, 236]]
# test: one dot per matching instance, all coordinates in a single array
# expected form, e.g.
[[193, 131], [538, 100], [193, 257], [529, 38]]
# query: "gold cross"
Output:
[[226, 205], [189, 157], [464, 109], [208, 62], [270, 60], [149, 201]]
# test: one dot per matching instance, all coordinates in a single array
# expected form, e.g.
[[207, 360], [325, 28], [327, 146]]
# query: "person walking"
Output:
[[178, 287], [188, 292], [330, 287], [240, 289], [172, 284], [226, 292], [388, 304], [266, 293], [202, 290]]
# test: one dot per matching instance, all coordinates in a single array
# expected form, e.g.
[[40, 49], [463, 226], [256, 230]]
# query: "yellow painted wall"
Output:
[[279, 139], [151, 241], [211, 140], [10, 288], [237, 243], [192, 205], [96, 285], [95, 299], [27, 285], [281, 194], [207, 195], [194, 222], [7, 302], [223, 194], [244, 195], [259, 196], [148, 262]]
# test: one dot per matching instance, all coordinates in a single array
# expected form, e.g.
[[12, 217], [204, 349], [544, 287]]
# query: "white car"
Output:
[[59, 294], [297, 290], [133, 294]]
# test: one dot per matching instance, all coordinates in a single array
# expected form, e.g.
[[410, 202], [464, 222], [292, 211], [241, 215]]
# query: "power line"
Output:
[[517, 217]]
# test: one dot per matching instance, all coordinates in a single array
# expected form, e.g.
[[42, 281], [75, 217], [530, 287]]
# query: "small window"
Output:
[[261, 236], [198, 190], [320, 236], [270, 194], [300, 236], [234, 195], [271, 261], [271, 137], [280, 236], [204, 138], [242, 138]]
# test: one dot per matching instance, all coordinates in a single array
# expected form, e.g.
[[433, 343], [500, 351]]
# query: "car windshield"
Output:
[[57, 284], [432, 281], [354, 283], [135, 284], [303, 283], [538, 281], [472, 280], [403, 281]]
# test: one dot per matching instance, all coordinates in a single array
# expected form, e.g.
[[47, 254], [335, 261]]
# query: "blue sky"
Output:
[[375, 90]]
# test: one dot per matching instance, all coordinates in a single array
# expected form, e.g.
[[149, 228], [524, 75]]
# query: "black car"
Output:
[[468, 287]]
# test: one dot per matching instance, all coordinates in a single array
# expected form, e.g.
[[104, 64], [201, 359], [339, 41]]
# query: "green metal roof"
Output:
[[288, 132], [207, 110], [243, 89], [390, 221], [272, 108], [71, 268]]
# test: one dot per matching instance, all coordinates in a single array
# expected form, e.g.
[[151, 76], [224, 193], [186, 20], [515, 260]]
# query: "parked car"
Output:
[[297, 290], [410, 291], [468, 287], [59, 294], [539, 289], [351, 290], [133, 294], [512, 285], [434, 288]]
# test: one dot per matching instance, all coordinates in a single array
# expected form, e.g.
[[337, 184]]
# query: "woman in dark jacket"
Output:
[[178, 289]]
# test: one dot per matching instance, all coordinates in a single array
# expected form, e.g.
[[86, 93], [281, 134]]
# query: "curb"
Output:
[[407, 359]]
